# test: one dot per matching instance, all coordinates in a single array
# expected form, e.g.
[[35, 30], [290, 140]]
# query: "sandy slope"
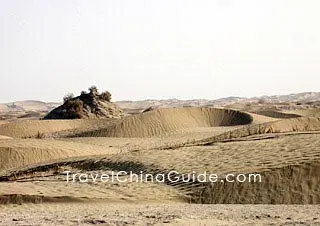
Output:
[[301, 124], [276, 159], [159, 122], [304, 112], [138, 143], [271, 157], [166, 121], [284, 151], [32, 128], [21, 152], [277, 114], [54, 190]]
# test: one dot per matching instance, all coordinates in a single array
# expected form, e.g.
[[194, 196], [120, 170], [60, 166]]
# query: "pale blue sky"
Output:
[[158, 49]]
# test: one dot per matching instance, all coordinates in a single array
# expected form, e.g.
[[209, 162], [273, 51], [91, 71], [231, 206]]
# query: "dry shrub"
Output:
[[68, 97], [105, 96]]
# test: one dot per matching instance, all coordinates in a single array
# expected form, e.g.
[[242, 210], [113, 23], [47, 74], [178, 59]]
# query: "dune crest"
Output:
[[165, 121]]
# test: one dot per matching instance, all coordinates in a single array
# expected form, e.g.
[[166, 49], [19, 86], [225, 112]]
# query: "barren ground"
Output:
[[284, 149]]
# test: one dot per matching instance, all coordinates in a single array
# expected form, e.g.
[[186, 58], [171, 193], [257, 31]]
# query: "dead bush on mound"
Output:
[[105, 96], [68, 97], [93, 91], [91, 104]]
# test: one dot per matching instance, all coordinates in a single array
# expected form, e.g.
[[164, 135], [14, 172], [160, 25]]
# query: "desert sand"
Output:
[[158, 214], [282, 146]]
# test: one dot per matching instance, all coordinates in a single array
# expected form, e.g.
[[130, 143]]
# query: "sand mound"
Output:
[[289, 167], [87, 105], [301, 124], [5, 137], [292, 125], [16, 153], [277, 114], [166, 121], [304, 112], [35, 128], [294, 184]]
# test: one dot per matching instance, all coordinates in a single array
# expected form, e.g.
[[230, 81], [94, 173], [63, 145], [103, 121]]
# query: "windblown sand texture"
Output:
[[284, 148], [168, 121]]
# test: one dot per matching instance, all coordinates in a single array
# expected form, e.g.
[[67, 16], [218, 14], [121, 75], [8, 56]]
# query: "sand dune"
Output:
[[301, 124], [32, 128], [160, 122], [144, 143], [166, 121], [294, 184], [289, 167], [284, 151], [54, 191], [277, 114], [17, 153], [304, 112], [285, 114]]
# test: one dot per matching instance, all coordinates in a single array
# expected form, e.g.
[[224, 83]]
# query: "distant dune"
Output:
[[299, 98], [29, 105]]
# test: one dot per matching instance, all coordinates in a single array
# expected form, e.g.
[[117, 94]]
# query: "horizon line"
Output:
[[126, 100]]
